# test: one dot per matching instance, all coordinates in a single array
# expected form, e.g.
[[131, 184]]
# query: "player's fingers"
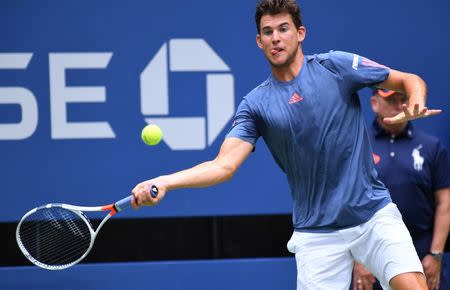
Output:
[[136, 192], [136, 188], [432, 112], [423, 111], [406, 111], [416, 109], [137, 200], [133, 202]]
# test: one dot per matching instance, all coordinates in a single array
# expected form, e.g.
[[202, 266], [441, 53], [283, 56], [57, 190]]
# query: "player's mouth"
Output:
[[276, 50]]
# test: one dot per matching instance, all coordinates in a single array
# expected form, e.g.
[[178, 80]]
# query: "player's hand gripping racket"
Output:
[[56, 236]]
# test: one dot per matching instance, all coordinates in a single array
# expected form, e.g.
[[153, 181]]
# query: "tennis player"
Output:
[[309, 115]]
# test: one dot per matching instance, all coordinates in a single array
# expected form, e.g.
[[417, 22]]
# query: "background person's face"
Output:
[[390, 106]]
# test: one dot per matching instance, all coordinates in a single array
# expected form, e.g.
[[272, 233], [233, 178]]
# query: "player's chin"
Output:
[[278, 62]]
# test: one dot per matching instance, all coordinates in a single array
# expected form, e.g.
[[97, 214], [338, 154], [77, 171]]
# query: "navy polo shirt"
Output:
[[412, 165]]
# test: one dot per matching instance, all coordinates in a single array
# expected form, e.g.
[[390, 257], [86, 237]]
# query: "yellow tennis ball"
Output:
[[151, 134]]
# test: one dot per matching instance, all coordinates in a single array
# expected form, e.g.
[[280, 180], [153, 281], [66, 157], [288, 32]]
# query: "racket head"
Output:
[[55, 236]]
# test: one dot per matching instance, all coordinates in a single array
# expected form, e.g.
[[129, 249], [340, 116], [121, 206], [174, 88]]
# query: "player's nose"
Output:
[[275, 37]]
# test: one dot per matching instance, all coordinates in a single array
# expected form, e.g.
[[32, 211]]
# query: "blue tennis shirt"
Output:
[[314, 128]]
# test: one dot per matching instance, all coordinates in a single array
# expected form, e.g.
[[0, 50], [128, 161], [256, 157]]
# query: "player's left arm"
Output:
[[431, 266], [415, 88]]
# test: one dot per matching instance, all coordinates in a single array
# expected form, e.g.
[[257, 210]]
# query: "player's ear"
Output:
[[301, 33], [374, 103], [258, 40]]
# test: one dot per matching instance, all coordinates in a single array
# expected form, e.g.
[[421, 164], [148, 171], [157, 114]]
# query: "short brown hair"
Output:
[[273, 7]]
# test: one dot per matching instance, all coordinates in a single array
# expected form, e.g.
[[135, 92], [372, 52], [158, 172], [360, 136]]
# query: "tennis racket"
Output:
[[57, 235]]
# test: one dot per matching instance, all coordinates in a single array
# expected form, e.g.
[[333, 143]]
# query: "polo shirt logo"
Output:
[[376, 158], [295, 98], [418, 159]]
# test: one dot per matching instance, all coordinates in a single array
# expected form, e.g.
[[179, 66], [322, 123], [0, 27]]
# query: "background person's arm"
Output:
[[431, 266], [441, 220]]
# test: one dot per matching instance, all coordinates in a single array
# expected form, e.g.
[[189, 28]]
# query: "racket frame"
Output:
[[79, 211]]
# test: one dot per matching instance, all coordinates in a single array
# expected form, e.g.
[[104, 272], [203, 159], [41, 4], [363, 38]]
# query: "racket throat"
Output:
[[102, 223], [112, 209]]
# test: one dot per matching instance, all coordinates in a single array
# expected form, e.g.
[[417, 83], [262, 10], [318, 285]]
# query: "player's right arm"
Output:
[[415, 88], [232, 154]]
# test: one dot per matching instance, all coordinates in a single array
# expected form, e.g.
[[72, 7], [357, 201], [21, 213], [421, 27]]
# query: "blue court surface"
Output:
[[262, 274]]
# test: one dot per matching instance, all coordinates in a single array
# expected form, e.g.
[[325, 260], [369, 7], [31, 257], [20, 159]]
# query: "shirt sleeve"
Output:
[[441, 168], [357, 71], [244, 124]]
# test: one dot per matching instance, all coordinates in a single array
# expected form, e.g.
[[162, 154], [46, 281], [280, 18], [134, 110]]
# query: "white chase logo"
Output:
[[418, 159], [175, 56], [185, 56]]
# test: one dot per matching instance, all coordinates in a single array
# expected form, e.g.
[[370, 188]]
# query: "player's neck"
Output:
[[290, 71]]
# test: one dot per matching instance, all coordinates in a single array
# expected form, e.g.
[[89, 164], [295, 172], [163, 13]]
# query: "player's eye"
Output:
[[284, 28], [267, 32]]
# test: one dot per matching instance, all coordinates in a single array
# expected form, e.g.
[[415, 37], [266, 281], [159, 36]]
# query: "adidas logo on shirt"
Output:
[[295, 98]]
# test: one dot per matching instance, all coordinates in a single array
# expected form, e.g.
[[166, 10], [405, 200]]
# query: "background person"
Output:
[[415, 167]]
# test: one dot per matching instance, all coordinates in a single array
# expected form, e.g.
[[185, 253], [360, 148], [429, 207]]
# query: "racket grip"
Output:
[[125, 203], [154, 191]]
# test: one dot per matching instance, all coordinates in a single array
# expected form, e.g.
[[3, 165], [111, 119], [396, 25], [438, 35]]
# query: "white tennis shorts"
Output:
[[383, 245]]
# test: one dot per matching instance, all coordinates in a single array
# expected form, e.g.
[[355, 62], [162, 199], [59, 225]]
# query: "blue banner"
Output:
[[80, 79]]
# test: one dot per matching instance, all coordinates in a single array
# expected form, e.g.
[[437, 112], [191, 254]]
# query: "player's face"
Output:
[[390, 106], [279, 39]]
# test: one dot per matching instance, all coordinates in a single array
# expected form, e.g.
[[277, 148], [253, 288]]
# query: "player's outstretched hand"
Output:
[[147, 193], [411, 114]]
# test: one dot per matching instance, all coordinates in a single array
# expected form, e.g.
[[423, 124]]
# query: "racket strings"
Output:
[[55, 250], [45, 245], [55, 242], [55, 236]]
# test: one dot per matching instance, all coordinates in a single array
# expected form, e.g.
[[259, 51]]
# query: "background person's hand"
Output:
[[432, 269], [362, 278]]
